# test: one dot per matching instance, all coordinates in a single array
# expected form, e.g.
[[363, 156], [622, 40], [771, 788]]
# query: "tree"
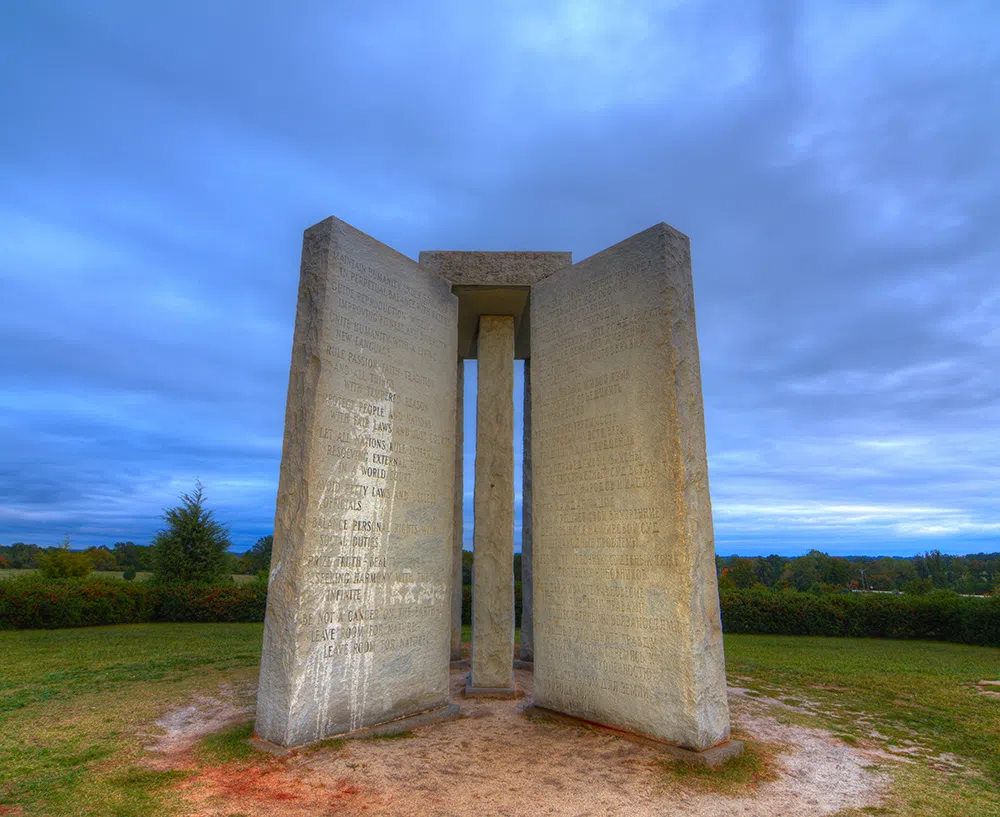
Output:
[[23, 556], [129, 554], [259, 556], [769, 570], [101, 558], [193, 546], [742, 572], [63, 563], [801, 573]]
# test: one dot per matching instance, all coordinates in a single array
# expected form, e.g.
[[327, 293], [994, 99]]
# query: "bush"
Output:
[[32, 602], [63, 563], [129, 574], [940, 616]]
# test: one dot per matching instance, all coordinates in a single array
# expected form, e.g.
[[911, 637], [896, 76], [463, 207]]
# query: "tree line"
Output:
[[192, 547], [972, 574]]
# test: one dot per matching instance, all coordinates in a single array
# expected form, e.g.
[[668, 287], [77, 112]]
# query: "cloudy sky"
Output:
[[837, 166]]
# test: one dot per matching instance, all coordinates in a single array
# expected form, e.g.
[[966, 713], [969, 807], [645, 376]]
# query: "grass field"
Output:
[[142, 575], [75, 709]]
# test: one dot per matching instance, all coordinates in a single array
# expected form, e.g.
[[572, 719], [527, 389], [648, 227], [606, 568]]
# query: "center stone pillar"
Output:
[[493, 539]]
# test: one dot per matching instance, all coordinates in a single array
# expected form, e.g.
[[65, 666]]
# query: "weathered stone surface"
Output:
[[485, 268], [381, 730], [527, 595], [493, 538], [627, 628], [359, 604], [459, 493]]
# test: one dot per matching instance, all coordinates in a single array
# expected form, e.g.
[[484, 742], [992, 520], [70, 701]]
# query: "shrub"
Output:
[[32, 602], [129, 574], [941, 615], [63, 563]]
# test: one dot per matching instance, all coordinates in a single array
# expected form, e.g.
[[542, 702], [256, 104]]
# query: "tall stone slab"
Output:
[[493, 537], [359, 604], [627, 628]]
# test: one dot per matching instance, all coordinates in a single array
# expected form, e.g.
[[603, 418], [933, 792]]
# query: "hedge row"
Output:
[[940, 616], [35, 603]]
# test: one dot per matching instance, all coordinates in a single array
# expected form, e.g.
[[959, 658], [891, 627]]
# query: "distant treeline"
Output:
[[973, 574], [124, 555]]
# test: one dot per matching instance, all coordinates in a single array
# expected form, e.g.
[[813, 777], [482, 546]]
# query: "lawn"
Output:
[[75, 709]]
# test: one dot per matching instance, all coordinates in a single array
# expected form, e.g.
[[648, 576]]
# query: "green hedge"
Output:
[[940, 616], [36, 603]]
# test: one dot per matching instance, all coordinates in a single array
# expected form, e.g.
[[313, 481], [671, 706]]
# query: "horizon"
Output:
[[836, 171]]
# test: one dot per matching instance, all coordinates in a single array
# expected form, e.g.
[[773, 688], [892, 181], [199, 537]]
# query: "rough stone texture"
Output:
[[493, 538], [627, 628], [486, 268], [527, 594], [358, 609], [459, 493]]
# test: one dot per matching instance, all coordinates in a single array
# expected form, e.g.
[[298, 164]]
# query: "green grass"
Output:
[[881, 693], [76, 707]]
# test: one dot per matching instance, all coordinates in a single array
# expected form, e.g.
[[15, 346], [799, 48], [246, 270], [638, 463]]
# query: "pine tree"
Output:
[[193, 546]]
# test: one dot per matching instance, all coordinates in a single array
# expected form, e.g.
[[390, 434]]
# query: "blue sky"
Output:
[[837, 166]]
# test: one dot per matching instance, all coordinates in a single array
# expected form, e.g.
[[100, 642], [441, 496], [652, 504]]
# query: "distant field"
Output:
[[142, 575]]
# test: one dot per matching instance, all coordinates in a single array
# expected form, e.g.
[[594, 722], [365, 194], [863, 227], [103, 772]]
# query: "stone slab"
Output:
[[493, 538], [493, 283], [507, 268], [396, 727], [710, 758], [503, 693], [627, 628], [521, 664], [358, 619]]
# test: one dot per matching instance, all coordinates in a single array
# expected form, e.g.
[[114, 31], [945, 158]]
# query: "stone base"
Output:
[[711, 758], [504, 693], [444, 713]]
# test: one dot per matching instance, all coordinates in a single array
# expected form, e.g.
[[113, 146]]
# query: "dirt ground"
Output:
[[495, 761]]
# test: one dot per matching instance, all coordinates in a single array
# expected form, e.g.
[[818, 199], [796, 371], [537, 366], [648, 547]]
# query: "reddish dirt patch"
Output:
[[269, 791]]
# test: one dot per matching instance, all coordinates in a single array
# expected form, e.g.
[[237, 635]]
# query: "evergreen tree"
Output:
[[193, 546]]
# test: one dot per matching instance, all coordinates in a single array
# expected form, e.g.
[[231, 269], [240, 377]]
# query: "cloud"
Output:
[[833, 162]]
